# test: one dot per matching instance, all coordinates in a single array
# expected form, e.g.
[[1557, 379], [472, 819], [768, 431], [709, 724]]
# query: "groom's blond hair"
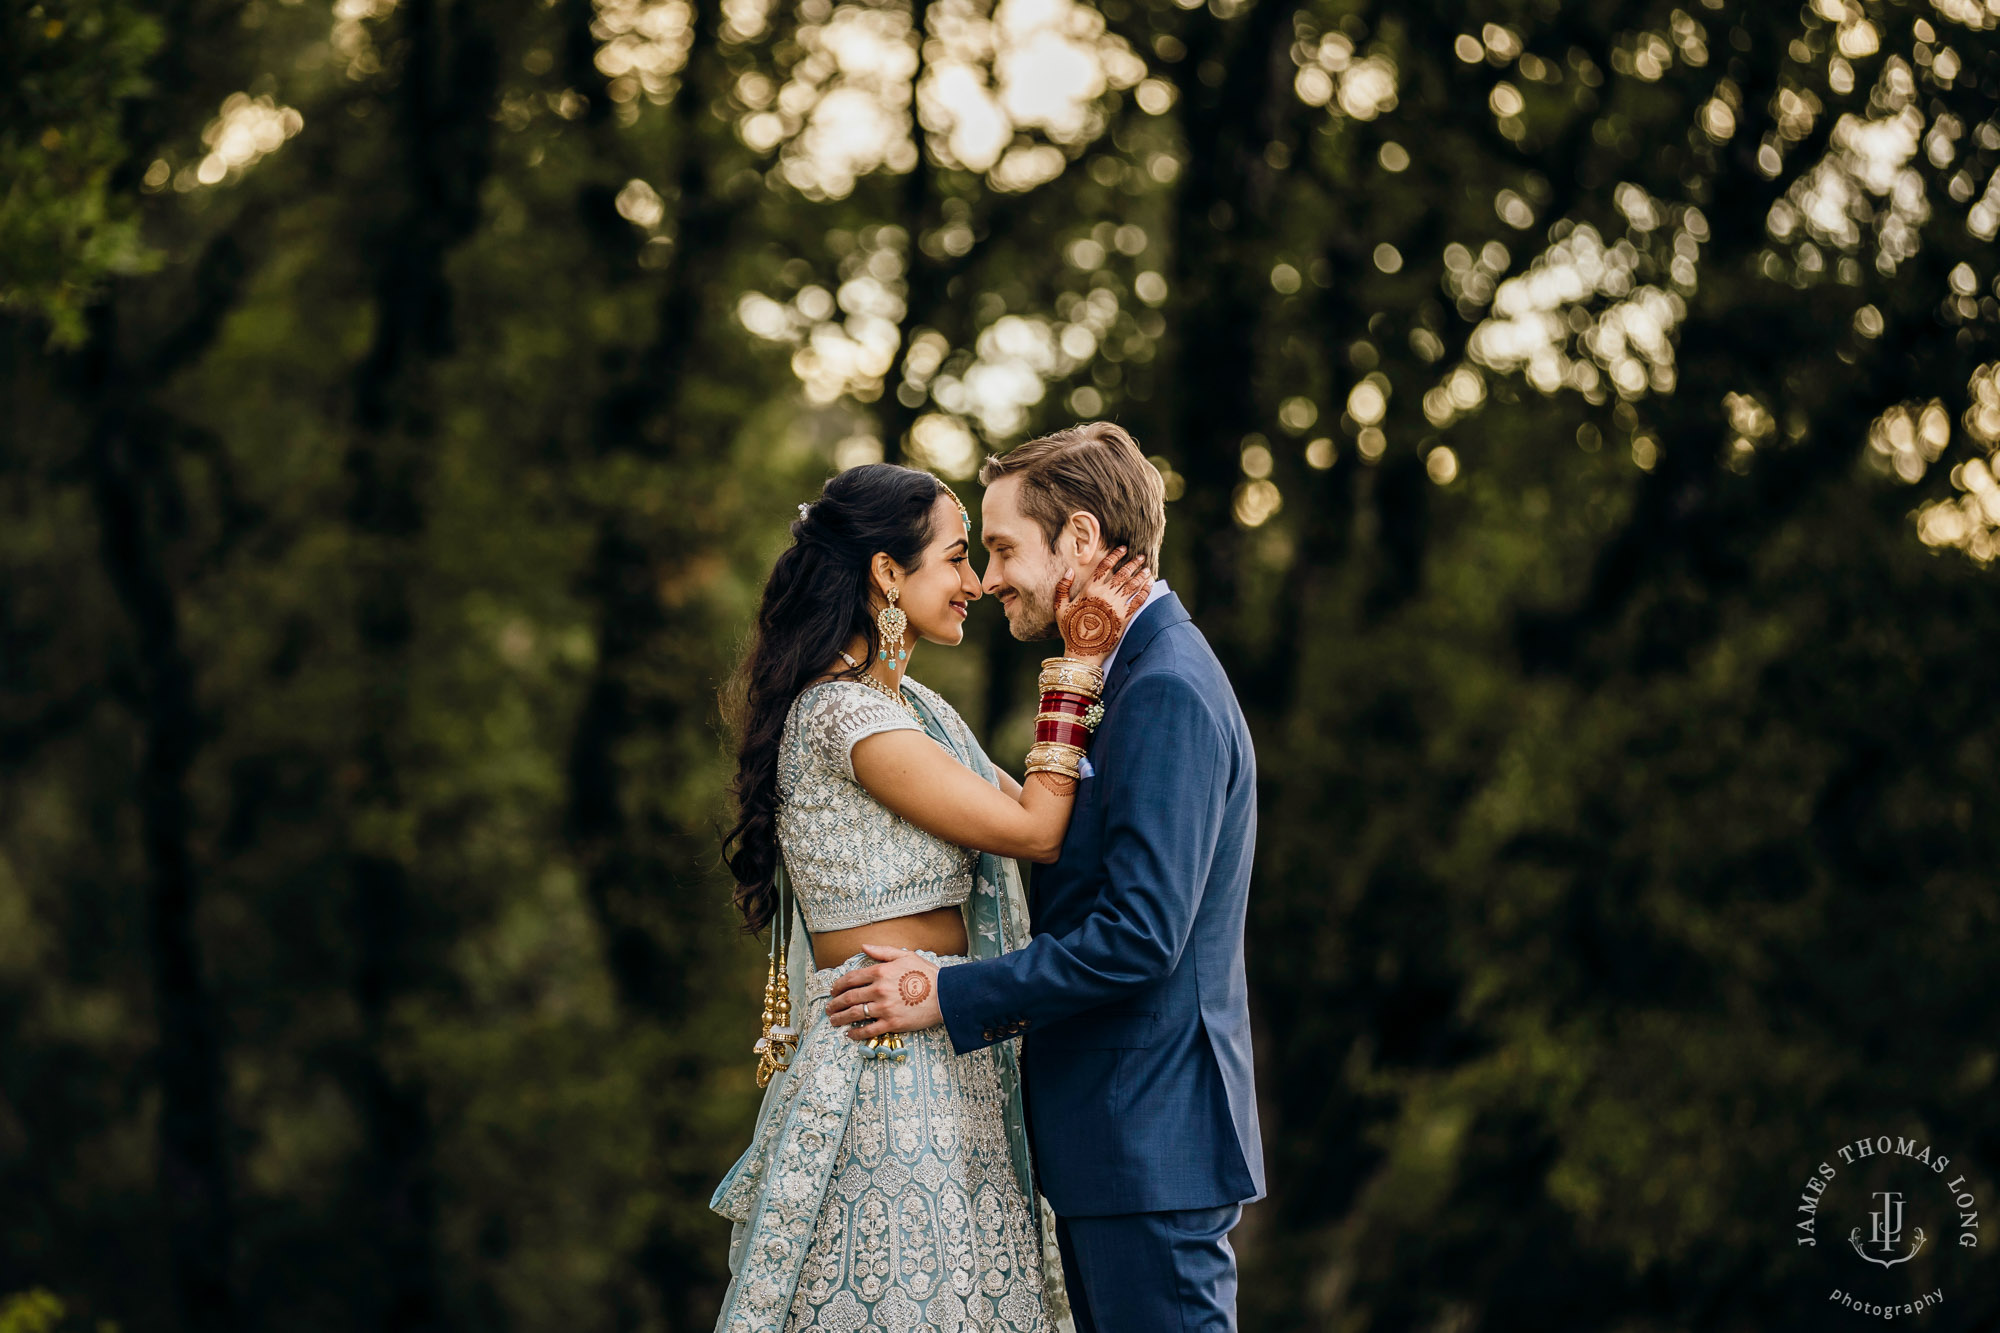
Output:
[[1096, 467]]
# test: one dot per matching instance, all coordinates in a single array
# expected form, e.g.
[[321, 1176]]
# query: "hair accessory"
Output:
[[893, 623], [805, 508]]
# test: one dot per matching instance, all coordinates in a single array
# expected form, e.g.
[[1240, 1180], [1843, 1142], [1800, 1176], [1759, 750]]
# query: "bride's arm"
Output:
[[917, 778]]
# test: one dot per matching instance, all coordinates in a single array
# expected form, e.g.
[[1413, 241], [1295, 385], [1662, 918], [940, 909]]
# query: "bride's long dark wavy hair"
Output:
[[815, 602]]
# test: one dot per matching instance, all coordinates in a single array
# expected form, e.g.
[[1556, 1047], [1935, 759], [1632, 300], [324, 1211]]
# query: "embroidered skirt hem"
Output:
[[881, 1194]]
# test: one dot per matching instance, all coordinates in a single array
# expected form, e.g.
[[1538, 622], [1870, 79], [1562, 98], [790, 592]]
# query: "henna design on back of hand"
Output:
[[1093, 626]]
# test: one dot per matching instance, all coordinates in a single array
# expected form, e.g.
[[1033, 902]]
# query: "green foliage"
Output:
[[31, 1312], [372, 569], [66, 74], [40, 1311]]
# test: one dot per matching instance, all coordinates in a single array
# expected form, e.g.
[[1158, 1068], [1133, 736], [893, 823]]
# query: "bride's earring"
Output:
[[892, 623]]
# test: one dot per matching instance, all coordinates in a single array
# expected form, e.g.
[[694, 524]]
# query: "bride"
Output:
[[887, 1184]]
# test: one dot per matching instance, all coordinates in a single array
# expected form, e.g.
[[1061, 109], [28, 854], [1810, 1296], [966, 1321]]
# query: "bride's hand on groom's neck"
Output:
[[1091, 616]]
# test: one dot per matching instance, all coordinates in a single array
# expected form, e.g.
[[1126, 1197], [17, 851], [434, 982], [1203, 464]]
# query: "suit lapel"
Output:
[[1153, 618]]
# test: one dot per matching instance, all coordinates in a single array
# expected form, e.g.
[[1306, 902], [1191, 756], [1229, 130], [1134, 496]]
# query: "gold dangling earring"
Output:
[[892, 623]]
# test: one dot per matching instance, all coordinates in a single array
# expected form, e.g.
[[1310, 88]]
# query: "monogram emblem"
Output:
[[1885, 1232]]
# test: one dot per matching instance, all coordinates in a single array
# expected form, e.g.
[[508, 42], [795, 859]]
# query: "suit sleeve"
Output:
[[1167, 770]]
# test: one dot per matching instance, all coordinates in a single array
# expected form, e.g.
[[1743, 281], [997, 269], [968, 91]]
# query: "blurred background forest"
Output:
[[1579, 419]]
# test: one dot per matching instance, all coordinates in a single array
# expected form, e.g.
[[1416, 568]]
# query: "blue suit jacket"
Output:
[[1130, 999]]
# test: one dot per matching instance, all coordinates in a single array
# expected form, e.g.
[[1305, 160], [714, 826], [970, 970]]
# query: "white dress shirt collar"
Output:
[[1153, 598]]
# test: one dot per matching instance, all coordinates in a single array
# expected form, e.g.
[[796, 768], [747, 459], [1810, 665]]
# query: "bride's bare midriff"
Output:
[[941, 930]]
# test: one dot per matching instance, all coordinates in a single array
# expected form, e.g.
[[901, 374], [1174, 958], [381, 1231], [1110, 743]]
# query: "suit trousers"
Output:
[[1170, 1272]]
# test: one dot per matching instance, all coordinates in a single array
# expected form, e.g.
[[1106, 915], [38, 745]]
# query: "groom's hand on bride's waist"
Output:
[[898, 994]]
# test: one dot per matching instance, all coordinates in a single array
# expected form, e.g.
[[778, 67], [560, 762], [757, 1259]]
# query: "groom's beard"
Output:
[[1034, 616]]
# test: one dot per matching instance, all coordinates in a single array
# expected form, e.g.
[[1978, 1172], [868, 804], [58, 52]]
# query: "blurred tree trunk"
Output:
[[443, 102], [638, 858], [645, 416], [136, 496], [1220, 267], [131, 448], [927, 275]]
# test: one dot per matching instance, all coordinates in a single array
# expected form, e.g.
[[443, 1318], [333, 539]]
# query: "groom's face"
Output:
[[1021, 570]]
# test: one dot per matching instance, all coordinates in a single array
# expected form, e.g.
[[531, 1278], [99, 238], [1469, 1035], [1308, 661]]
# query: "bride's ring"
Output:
[[865, 1014]]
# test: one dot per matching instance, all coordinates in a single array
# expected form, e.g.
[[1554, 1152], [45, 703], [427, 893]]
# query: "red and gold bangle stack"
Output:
[[1061, 719], [1069, 713]]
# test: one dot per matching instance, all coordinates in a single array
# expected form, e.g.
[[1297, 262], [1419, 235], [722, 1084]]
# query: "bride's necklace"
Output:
[[880, 688]]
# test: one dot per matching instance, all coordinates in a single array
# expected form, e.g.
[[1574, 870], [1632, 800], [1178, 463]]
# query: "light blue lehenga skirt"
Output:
[[882, 1195], [888, 1196]]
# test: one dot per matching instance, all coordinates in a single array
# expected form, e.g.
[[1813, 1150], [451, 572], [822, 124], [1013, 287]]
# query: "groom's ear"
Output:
[[1081, 542]]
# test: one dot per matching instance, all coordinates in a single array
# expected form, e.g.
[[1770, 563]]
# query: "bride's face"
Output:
[[938, 593]]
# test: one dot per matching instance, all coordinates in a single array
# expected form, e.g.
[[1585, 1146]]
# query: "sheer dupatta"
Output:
[[996, 922]]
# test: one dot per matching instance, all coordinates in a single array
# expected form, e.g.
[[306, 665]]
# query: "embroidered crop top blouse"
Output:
[[851, 859]]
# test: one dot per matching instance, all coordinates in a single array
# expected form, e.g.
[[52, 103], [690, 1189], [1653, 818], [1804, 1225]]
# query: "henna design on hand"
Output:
[[1092, 626], [915, 988], [1138, 581], [1060, 783]]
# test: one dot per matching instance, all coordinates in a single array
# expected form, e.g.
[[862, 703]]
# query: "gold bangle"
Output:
[[1072, 663], [1060, 673], [1055, 757], [1081, 719], [1066, 673], [1056, 770]]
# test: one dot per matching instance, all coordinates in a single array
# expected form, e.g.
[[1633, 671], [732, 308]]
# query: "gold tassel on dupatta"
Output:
[[774, 1049]]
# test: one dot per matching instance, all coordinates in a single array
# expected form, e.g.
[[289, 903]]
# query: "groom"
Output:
[[1130, 999]]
